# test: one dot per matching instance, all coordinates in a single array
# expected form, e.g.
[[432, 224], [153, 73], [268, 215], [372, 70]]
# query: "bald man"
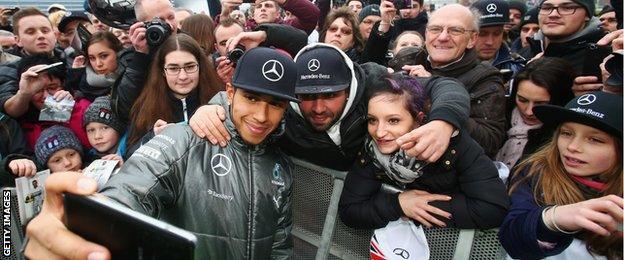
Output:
[[450, 39]]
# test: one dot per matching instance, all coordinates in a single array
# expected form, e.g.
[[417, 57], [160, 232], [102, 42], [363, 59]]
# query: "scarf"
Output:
[[398, 166], [517, 139], [102, 81]]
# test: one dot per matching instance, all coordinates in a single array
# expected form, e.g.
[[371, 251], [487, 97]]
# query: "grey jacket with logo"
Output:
[[236, 200]]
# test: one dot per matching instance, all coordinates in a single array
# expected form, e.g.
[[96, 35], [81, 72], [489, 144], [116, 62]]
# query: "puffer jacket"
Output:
[[236, 200], [487, 99], [449, 102]]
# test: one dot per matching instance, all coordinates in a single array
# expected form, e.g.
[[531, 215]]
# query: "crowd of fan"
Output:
[[467, 84]]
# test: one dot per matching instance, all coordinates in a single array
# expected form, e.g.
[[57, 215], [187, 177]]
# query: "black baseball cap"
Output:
[[322, 68], [614, 67], [72, 16], [493, 12], [266, 71], [598, 109]]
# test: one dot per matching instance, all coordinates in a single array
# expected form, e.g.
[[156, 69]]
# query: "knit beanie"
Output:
[[518, 5], [369, 10], [589, 5], [100, 111], [55, 139], [530, 17]]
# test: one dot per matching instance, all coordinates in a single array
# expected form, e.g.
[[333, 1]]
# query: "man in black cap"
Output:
[[236, 199], [490, 45], [569, 30], [528, 27], [67, 26]]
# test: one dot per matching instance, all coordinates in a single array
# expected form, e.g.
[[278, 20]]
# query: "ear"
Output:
[[229, 89], [421, 117], [18, 42], [472, 41]]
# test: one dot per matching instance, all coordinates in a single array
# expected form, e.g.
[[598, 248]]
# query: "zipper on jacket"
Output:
[[184, 110], [250, 225]]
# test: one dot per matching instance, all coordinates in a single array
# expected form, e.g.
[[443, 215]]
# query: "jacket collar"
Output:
[[456, 68]]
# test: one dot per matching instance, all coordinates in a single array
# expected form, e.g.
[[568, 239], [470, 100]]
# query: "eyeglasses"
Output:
[[561, 9], [452, 30], [175, 70]]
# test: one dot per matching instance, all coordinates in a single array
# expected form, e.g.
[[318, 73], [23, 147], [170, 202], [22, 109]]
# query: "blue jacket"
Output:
[[523, 227]]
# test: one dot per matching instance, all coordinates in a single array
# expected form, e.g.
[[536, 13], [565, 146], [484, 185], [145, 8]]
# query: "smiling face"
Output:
[[556, 25], [323, 110], [584, 150], [388, 119], [102, 58], [340, 34], [182, 83], [254, 115], [443, 47], [529, 95], [65, 160], [102, 137]]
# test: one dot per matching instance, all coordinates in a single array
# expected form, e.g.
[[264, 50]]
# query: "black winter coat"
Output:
[[464, 173], [12, 146]]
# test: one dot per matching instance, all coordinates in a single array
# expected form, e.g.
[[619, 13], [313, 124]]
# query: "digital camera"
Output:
[[157, 32], [235, 54]]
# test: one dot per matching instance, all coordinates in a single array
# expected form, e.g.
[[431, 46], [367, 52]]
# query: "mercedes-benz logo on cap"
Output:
[[314, 65], [586, 99], [272, 70], [491, 8], [221, 165], [401, 252]]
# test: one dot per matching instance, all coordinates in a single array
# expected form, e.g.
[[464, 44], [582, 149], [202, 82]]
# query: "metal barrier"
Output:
[[319, 233]]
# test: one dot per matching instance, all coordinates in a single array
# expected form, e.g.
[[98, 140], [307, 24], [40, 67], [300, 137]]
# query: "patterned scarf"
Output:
[[398, 166]]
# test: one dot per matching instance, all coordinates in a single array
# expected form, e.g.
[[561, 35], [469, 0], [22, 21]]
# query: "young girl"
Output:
[[59, 150], [566, 199], [461, 189], [179, 81], [105, 131], [94, 74]]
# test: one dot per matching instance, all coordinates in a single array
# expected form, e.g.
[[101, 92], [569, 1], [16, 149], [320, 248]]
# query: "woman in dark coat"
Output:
[[461, 189]]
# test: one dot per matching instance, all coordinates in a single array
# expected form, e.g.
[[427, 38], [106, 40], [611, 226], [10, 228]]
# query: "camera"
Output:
[[402, 4], [157, 32], [236, 53]]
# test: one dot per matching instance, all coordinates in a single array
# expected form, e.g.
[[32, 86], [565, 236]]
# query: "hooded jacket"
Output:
[[236, 200], [578, 49], [337, 147], [487, 98]]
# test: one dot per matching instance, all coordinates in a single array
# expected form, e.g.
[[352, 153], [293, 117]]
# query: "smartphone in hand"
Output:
[[126, 233]]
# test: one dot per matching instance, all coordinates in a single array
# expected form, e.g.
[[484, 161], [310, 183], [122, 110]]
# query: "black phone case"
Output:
[[594, 56], [126, 235]]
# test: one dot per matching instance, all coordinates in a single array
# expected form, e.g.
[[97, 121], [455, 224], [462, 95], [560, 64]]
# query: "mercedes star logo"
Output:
[[220, 164], [491, 8], [401, 252], [586, 99], [272, 70], [314, 64]]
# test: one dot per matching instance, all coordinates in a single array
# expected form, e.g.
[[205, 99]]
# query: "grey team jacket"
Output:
[[236, 200]]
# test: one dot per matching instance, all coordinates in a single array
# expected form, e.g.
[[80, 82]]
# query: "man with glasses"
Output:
[[450, 40], [569, 30]]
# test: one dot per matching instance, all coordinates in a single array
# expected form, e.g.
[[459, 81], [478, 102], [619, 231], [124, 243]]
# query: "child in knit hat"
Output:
[[104, 130], [59, 149]]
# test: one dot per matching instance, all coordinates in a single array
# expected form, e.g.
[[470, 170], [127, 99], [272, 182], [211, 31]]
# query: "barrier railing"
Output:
[[319, 233]]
